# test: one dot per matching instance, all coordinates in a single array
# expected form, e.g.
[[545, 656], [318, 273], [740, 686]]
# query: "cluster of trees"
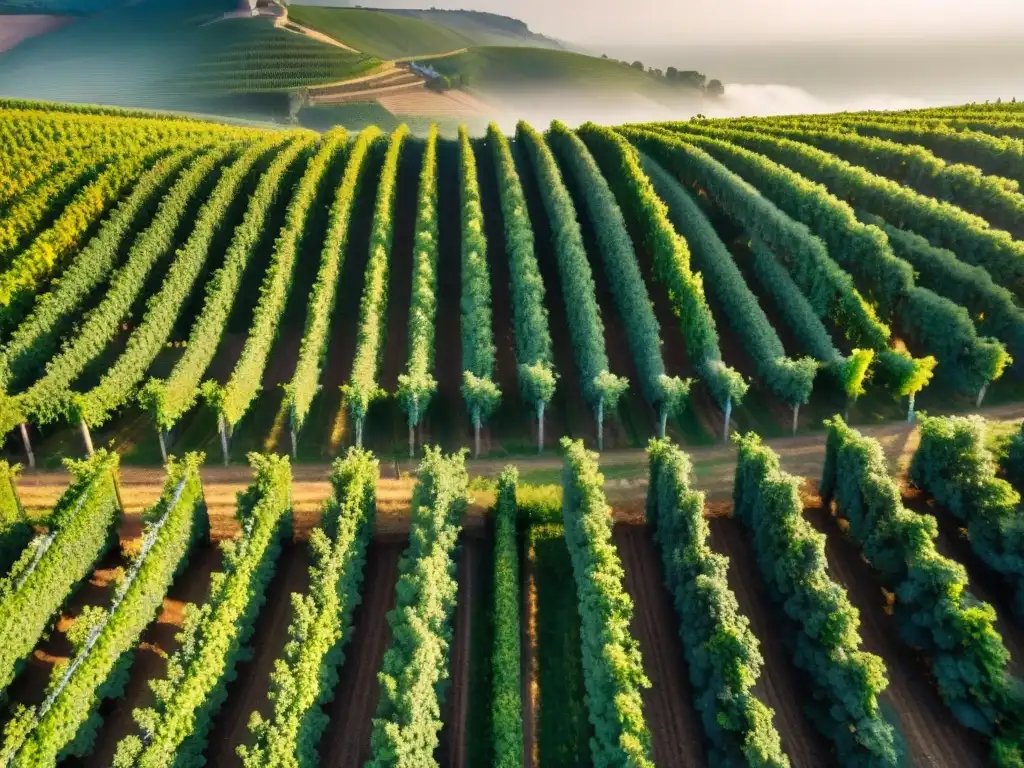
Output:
[[305, 383], [15, 529], [120, 381], [478, 350], [175, 729], [363, 387], [928, 320], [47, 399], [1012, 462], [304, 680], [536, 372], [169, 399], [412, 675], [103, 638], [935, 611], [601, 388], [234, 399], [506, 701], [35, 339], [612, 666], [954, 465], [685, 78], [844, 681], [649, 218], [738, 725], [417, 385], [81, 529], [666, 395]]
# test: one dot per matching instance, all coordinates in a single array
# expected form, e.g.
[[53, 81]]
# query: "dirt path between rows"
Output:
[[625, 470], [676, 734], [346, 742]]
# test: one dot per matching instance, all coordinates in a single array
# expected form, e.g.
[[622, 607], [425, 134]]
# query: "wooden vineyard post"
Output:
[[86, 437], [223, 437], [662, 422], [23, 428], [600, 424], [910, 410], [540, 427], [981, 395], [295, 438], [728, 415], [163, 444], [796, 417]]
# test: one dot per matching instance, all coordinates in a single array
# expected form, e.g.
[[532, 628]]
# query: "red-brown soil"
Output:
[[455, 710], [248, 692], [346, 742], [778, 686], [932, 734], [674, 723]]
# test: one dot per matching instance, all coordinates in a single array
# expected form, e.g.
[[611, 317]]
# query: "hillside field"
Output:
[[796, 342]]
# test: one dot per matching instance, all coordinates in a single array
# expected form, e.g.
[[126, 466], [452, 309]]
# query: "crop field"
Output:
[[805, 547]]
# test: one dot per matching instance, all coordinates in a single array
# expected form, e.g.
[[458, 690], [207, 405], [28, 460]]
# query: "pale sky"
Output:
[[662, 22]]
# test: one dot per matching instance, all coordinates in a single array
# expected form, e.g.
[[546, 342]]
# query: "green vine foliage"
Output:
[[722, 653], [612, 666], [67, 721], [303, 681], [586, 328], [844, 681], [417, 385], [305, 383], [478, 350], [935, 611], [790, 378], [82, 528], [174, 730], [945, 225], [15, 529], [36, 338], [234, 399], [363, 387], [964, 186], [47, 399], [829, 289], [664, 236], [537, 378], [993, 308], [632, 302], [120, 382], [927, 319], [506, 701], [954, 465], [412, 676], [168, 400]]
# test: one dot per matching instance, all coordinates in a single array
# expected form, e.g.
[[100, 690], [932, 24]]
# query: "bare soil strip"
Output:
[[676, 733], [346, 742]]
